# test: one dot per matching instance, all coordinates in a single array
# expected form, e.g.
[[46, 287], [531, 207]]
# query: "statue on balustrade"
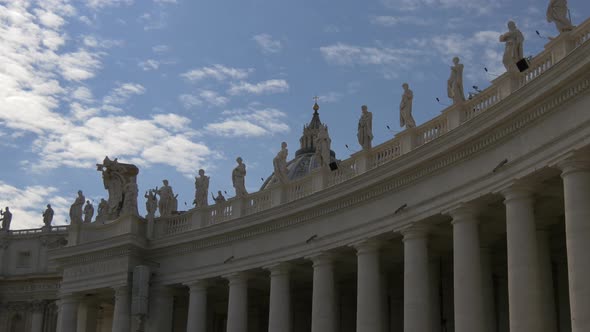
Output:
[[558, 13], [88, 212], [280, 164], [513, 51], [130, 199], [238, 177], [151, 203], [201, 189], [76, 209], [219, 199], [102, 211], [455, 82], [48, 216], [405, 108], [322, 144], [365, 128], [119, 180], [6, 219], [168, 202]]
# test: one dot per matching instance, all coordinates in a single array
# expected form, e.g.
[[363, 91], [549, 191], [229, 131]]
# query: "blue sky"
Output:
[[178, 85]]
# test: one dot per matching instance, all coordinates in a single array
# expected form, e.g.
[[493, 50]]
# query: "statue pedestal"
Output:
[[407, 139], [362, 160]]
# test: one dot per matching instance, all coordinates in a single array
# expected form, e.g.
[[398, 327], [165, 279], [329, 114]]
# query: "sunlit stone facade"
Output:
[[476, 221]]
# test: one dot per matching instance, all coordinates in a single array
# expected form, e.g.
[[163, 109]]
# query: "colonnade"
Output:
[[531, 301]]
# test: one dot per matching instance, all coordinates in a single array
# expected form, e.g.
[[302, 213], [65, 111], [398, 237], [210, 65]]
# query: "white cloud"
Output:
[[27, 205], [202, 97], [82, 94], [389, 21], [213, 98], [264, 87], [149, 64], [330, 97], [345, 54], [79, 66], [98, 4], [217, 72], [267, 44], [251, 122], [478, 6], [189, 101], [123, 92], [165, 1], [161, 48]]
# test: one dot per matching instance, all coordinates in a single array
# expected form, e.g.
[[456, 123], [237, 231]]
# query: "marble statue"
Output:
[[365, 128], [48, 216], [76, 209], [455, 82], [167, 198], [6, 219], [151, 203], [219, 199], [130, 199], [120, 180], [201, 189], [405, 108], [558, 13], [88, 212], [238, 177], [102, 210], [513, 51], [280, 164], [322, 146]]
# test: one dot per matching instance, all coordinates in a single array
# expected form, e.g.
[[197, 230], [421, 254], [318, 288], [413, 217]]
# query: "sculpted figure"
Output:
[[48, 216], [88, 212], [6, 219], [558, 13], [513, 52], [405, 108], [238, 177], [151, 203], [365, 128], [219, 199], [103, 207], [280, 164], [76, 208], [167, 198], [201, 189], [322, 146], [130, 199], [455, 82]]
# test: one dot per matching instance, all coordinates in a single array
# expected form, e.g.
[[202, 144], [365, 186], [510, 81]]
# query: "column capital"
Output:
[[518, 191], [322, 258], [121, 290], [37, 305], [465, 212], [236, 278], [197, 285], [281, 268], [367, 246], [69, 298], [414, 232], [573, 164]]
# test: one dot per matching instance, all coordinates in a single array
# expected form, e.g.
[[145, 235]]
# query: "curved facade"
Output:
[[478, 220]]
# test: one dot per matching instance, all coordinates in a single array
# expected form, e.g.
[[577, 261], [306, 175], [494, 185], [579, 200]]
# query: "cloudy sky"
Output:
[[178, 85]]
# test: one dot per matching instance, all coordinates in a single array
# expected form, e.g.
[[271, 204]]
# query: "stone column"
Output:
[[523, 266], [121, 315], [323, 307], [487, 275], [237, 308], [37, 309], [161, 308], [368, 307], [576, 183], [467, 285], [197, 307], [546, 287], [279, 313], [417, 316], [68, 313]]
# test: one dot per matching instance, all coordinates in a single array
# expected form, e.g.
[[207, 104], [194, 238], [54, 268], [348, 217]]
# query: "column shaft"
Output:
[[523, 266], [37, 319], [121, 315], [576, 182], [237, 310], [323, 307], [368, 307], [68, 314], [417, 316], [279, 316], [467, 284], [546, 289], [197, 307], [161, 308], [487, 276]]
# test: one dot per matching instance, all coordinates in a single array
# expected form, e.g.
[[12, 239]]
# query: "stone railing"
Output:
[[38, 231], [402, 143]]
